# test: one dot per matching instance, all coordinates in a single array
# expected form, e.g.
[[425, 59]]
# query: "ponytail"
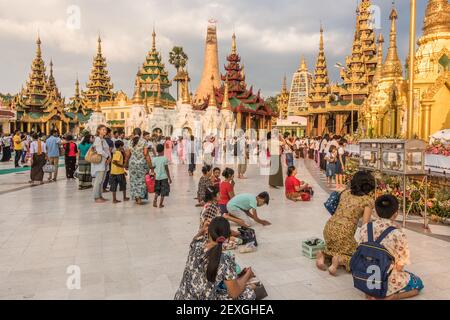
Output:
[[219, 231]]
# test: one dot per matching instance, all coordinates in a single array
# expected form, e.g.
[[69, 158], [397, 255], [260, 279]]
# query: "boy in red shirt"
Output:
[[293, 186]]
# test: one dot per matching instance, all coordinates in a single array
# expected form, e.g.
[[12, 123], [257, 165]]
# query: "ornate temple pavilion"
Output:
[[39, 106]]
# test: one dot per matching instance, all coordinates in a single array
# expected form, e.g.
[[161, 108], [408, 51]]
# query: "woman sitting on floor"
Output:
[[294, 187], [207, 266]]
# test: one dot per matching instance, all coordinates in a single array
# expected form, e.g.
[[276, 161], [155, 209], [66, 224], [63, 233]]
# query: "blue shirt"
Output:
[[53, 144], [242, 202], [160, 164]]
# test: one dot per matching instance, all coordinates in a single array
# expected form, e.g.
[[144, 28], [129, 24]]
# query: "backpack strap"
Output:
[[385, 233], [370, 232]]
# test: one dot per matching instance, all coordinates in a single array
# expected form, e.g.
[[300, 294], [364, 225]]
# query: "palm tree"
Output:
[[178, 59]]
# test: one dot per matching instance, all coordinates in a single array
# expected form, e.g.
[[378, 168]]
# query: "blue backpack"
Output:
[[370, 265], [332, 202]]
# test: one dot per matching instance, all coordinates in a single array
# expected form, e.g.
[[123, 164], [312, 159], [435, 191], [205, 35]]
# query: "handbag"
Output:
[[92, 156], [247, 235], [150, 183], [332, 202], [48, 168], [305, 196], [260, 291]]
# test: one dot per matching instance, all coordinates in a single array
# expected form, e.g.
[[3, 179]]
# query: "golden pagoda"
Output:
[[99, 85], [300, 90], [432, 72], [152, 80], [388, 100], [39, 105], [319, 96], [78, 109], [283, 101], [361, 64], [210, 68]]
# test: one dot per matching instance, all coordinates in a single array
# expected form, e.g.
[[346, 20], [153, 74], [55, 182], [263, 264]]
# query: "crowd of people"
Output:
[[108, 161]]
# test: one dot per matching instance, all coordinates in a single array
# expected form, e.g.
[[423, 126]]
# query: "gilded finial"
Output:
[[233, 44], [99, 45], [154, 39], [77, 88], [38, 46], [212, 98], [284, 87], [226, 100], [303, 66], [186, 99]]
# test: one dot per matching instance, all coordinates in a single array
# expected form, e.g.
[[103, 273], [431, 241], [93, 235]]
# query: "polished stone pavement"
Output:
[[126, 251]]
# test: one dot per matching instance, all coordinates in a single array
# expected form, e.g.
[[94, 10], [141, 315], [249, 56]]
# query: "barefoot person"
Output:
[[162, 176], [98, 170], [207, 267], [139, 163], [401, 283], [339, 231], [117, 176], [242, 209]]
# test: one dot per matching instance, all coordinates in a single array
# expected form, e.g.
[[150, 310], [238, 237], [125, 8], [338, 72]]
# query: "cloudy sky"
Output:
[[271, 36]]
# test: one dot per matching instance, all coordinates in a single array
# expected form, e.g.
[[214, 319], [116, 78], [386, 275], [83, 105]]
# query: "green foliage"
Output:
[[178, 58]]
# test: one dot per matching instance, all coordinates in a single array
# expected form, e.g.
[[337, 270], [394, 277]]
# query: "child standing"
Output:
[[216, 178], [331, 159], [340, 165], [204, 182], [117, 177], [162, 176]]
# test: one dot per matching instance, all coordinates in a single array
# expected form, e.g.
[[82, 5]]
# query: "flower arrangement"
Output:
[[438, 148]]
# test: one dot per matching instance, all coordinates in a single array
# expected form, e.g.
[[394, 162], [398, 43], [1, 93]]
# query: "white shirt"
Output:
[[341, 150], [209, 147], [323, 145], [34, 147]]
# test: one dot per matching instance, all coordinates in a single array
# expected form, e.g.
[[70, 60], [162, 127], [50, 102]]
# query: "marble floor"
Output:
[[126, 251]]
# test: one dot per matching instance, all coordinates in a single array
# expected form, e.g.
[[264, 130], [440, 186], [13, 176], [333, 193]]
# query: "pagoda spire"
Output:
[[226, 100], [186, 98], [153, 40], [319, 95], [437, 17], [361, 63], [99, 45], [77, 88], [210, 66], [38, 47], [379, 70], [392, 66], [284, 86], [99, 85], [212, 98]]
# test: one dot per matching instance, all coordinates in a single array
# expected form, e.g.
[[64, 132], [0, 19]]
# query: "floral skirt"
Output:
[[138, 188]]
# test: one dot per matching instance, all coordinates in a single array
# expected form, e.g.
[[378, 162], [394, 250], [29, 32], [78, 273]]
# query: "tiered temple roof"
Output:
[[152, 78], [361, 64], [78, 109], [241, 99], [39, 100], [283, 101], [320, 91], [52, 87], [99, 86]]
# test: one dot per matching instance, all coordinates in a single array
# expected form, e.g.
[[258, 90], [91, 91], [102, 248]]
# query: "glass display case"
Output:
[[403, 156], [369, 154]]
